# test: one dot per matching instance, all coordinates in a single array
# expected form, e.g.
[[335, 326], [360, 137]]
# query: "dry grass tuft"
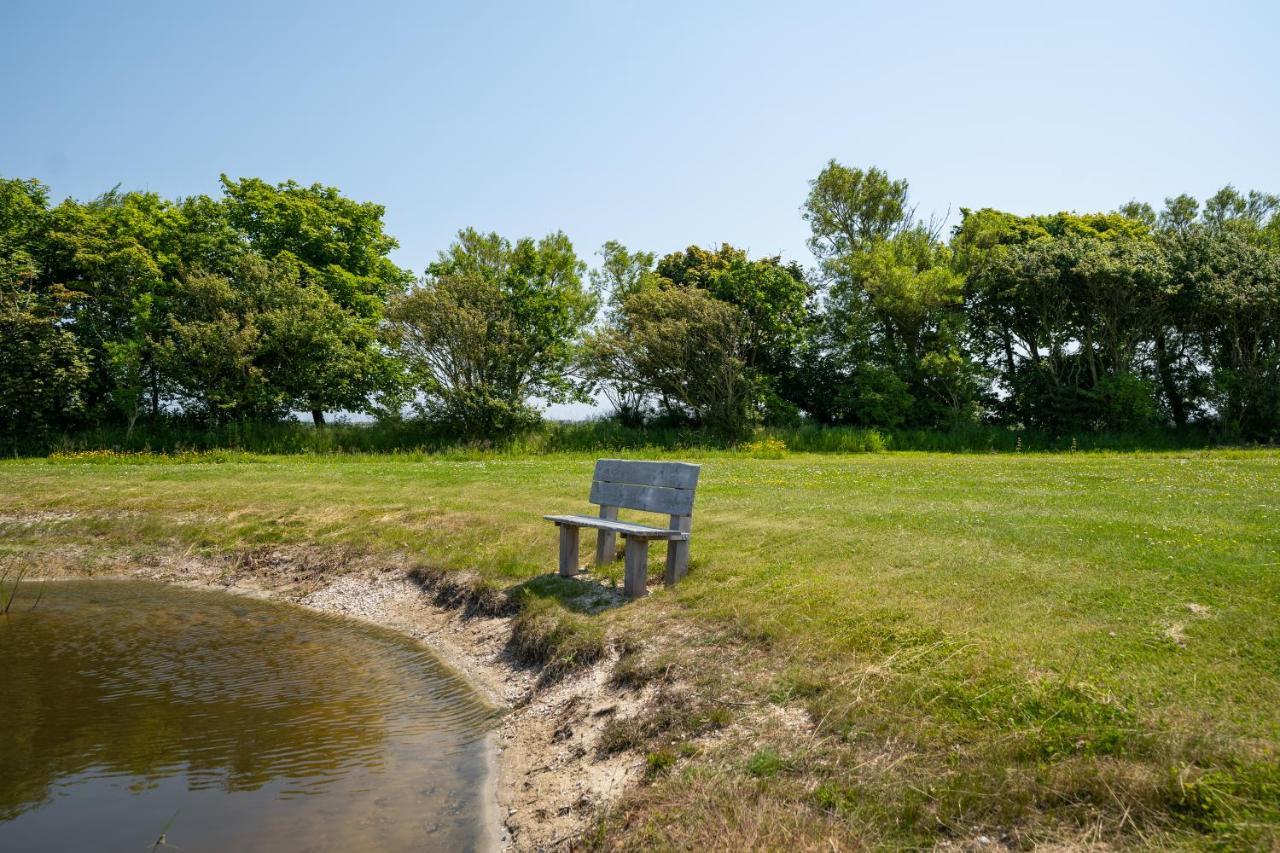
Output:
[[672, 715], [468, 592]]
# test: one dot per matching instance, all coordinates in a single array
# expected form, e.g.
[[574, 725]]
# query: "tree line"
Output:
[[272, 299]]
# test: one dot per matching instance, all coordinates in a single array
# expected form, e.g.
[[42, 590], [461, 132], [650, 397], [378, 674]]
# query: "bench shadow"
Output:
[[587, 593]]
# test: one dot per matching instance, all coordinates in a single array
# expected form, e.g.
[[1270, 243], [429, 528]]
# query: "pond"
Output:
[[133, 713]]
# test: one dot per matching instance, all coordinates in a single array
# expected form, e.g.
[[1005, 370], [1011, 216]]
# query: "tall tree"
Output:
[[892, 349], [255, 341], [24, 221], [1063, 306], [769, 323], [43, 368], [1222, 340], [119, 256], [850, 209], [688, 349], [339, 245], [620, 274], [775, 299], [494, 324]]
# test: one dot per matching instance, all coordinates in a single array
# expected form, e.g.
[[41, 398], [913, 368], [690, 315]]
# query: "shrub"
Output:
[[766, 763], [767, 447]]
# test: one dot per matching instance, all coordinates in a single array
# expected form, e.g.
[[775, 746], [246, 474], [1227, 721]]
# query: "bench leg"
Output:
[[606, 540], [677, 562], [678, 552], [636, 576], [568, 550]]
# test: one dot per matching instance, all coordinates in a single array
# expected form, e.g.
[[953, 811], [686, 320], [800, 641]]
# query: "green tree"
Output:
[[1226, 310], [774, 296], [620, 274], [893, 345], [214, 343], [849, 210], [118, 256], [493, 325], [914, 302], [776, 301], [43, 369], [341, 246], [1063, 307], [687, 348], [253, 342], [24, 221], [747, 317], [313, 353]]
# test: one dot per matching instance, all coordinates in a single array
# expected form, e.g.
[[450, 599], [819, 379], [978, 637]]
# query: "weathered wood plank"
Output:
[[626, 528], [670, 475], [678, 551], [645, 498], [568, 550], [635, 577], [606, 539]]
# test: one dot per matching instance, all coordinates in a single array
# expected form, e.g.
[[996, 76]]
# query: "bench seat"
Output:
[[639, 531]]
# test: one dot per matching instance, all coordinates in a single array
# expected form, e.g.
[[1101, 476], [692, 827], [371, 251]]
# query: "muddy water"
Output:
[[133, 710]]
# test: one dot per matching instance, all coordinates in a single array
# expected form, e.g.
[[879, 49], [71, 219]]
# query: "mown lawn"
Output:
[[1064, 648]]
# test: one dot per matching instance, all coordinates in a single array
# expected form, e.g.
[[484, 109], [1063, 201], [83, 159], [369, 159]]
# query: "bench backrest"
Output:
[[663, 487]]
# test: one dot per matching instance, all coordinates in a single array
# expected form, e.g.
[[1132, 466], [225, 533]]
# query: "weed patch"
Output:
[[671, 716], [633, 670]]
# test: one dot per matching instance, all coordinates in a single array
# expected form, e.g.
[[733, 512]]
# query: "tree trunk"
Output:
[[317, 417], [1093, 367], [133, 418], [1171, 393], [155, 396], [1010, 366]]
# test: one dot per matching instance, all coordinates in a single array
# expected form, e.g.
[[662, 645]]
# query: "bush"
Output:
[[181, 436], [1126, 403], [767, 447]]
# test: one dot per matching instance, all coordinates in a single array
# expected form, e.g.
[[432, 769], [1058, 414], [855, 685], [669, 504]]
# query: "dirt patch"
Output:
[[36, 518], [1177, 634], [1176, 631], [551, 775]]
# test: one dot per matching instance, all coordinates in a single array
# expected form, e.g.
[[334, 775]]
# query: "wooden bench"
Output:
[[659, 487]]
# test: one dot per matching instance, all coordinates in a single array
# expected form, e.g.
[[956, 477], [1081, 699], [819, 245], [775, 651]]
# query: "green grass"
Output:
[[1038, 646]]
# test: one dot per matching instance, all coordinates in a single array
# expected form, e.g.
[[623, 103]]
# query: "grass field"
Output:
[[1072, 648]]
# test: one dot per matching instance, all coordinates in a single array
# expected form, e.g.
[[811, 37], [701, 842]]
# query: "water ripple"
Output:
[[251, 719]]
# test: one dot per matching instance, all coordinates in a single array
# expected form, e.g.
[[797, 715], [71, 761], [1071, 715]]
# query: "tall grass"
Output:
[[171, 437]]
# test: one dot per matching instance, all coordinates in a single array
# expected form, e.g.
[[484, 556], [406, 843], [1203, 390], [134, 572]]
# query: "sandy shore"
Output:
[[548, 779]]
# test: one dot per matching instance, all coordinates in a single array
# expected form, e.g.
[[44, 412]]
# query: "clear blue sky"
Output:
[[658, 124]]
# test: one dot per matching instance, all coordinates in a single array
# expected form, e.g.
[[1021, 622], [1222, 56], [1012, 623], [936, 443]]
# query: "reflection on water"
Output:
[[128, 709]]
